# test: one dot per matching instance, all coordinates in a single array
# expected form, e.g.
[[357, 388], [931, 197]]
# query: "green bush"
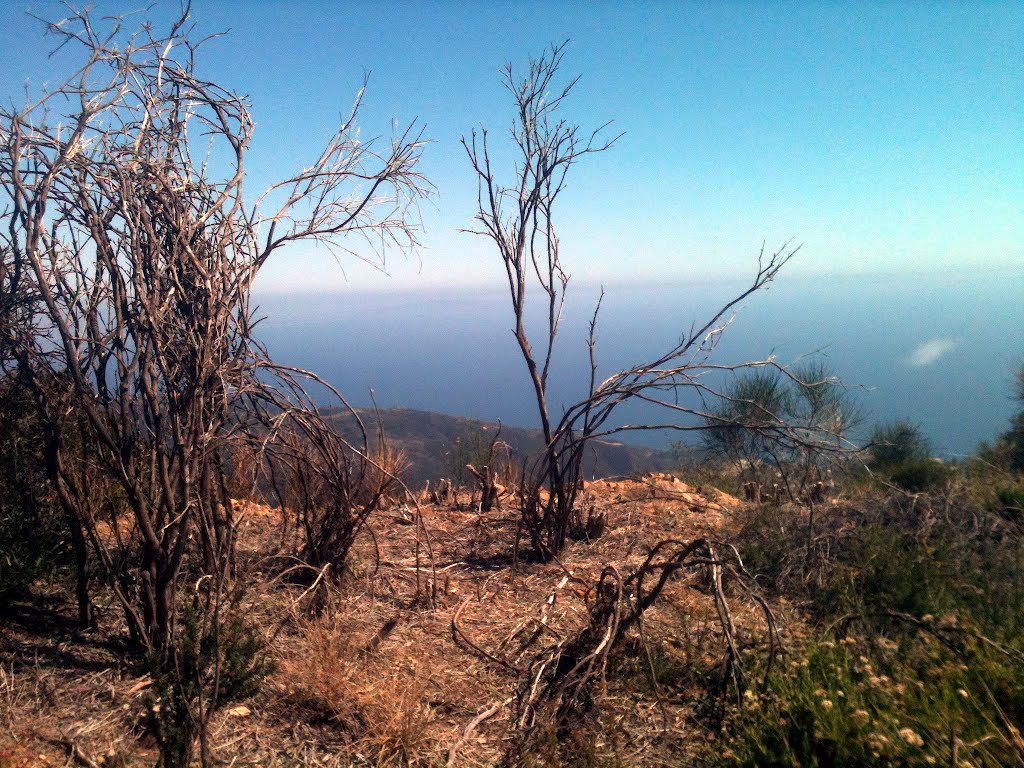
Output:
[[884, 703], [933, 554], [883, 569], [895, 443], [917, 475], [1011, 502], [1013, 439], [901, 455], [33, 546], [213, 664], [33, 535], [473, 447], [1007, 452], [932, 585], [928, 590], [1009, 448], [789, 422]]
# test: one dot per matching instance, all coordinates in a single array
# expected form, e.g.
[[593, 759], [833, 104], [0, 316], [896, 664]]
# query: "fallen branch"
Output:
[[491, 711]]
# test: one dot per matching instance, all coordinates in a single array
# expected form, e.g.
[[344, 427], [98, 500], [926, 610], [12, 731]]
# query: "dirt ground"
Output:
[[411, 661]]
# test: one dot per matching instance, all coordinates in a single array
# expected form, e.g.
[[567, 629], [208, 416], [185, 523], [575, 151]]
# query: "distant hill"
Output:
[[440, 445]]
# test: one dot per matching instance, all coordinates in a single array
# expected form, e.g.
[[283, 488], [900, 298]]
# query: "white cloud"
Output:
[[930, 351]]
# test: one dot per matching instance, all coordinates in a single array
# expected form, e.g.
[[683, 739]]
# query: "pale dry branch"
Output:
[[557, 683], [518, 217], [127, 259]]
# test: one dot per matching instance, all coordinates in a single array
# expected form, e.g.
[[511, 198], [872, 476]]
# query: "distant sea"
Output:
[[939, 351]]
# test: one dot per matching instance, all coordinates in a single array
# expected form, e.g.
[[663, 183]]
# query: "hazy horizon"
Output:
[[886, 139], [494, 283], [932, 350]]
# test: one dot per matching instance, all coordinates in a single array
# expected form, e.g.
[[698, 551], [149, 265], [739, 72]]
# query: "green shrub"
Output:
[[1007, 452], [786, 422], [883, 703], [932, 586], [882, 569], [475, 447], [33, 535], [1011, 444], [768, 542], [895, 443], [213, 664], [933, 553], [901, 455], [33, 546], [1011, 502], [917, 475], [1012, 441]]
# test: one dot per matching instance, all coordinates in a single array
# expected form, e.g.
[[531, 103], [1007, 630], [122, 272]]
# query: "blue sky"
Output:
[[885, 137]]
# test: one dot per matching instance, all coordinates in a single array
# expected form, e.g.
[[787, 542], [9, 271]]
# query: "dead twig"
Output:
[[484, 714]]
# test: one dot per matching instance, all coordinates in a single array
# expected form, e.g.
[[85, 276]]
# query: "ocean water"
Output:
[[937, 350]]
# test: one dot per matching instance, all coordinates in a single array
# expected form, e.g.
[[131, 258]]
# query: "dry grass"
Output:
[[381, 704], [369, 673], [64, 698]]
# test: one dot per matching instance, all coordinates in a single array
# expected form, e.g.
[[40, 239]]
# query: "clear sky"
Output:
[[885, 137]]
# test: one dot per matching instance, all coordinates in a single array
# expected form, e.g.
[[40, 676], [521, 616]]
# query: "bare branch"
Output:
[[519, 219], [126, 272]]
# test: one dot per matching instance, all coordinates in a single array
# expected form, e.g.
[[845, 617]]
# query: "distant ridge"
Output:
[[429, 439]]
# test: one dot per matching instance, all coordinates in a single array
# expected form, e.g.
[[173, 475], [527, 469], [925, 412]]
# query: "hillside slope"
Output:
[[439, 445]]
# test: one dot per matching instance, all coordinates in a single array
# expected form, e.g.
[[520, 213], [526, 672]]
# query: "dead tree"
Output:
[[486, 474], [518, 217], [140, 264]]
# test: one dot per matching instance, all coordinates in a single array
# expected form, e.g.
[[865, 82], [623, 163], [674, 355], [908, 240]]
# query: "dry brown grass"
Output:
[[368, 672], [380, 703]]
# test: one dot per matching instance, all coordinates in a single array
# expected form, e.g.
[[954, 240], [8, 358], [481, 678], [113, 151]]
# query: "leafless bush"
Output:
[[329, 485], [519, 219], [139, 267]]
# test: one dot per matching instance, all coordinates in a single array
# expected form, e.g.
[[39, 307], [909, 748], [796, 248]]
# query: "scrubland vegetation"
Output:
[[199, 564]]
